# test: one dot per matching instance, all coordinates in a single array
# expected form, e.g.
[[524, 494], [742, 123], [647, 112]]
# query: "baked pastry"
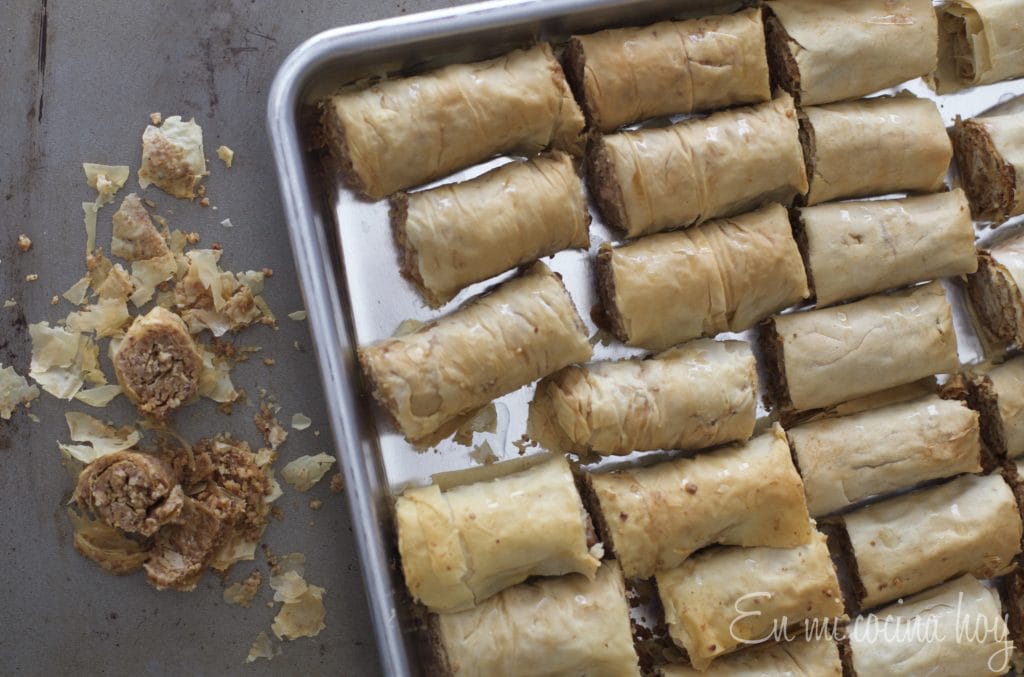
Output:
[[995, 290], [990, 160], [798, 657], [980, 42], [998, 394], [131, 490], [693, 396], [461, 233]]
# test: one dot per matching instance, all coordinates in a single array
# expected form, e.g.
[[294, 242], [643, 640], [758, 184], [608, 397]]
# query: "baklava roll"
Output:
[[693, 396], [825, 52], [995, 290], [748, 494], [980, 42], [554, 626], [798, 657], [461, 546], [730, 162], [998, 394], [822, 357], [458, 234], [846, 459], [722, 599], [403, 132], [854, 249], [628, 74], [522, 330], [954, 629], [969, 525], [873, 147], [725, 275], [990, 161]]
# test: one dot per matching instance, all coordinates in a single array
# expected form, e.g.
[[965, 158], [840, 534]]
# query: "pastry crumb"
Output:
[[226, 155], [192, 238], [205, 202], [156, 119], [269, 361], [24, 243], [337, 483], [243, 592], [316, 504], [31, 277], [54, 300]]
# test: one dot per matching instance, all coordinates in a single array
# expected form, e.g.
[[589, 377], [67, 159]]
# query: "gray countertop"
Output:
[[79, 80]]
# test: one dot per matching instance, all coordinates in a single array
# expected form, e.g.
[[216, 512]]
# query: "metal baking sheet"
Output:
[[348, 262]]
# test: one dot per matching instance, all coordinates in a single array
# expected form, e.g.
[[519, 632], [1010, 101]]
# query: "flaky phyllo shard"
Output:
[[172, 157]]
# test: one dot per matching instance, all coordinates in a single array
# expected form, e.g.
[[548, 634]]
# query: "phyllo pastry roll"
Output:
[[403, 132], [875, 146], [858, 248], [721, 599], [849, 458], [544, 628], [797, 657], [954, 629], [725, 275], [998, 394], [748, 494], [693, 396], [461, 546], [980, 42], [969, 525], [624, 75], [522, 330], [825, 52], [990, 160], [822, 357], [730, 162], [996, 290], [461, 233]]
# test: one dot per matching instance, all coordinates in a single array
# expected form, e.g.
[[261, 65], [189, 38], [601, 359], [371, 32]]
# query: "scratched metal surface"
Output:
[[78, 81]]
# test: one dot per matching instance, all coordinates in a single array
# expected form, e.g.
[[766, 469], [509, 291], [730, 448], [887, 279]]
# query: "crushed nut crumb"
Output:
[[316, 504], [192, 238], [205, 202], [269, 361], [156, 118], [24, 243], [54, 300], [337, 483]]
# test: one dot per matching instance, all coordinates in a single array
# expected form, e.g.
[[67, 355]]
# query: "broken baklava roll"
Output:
[[131, 490], [998, 394], [158, 364], [722, 599], [725, 275], [182, 550], [749, 494], [990, 161], [873, 147], [825, 52], [849, 458], [854, 249], [969, 525], [625, 75], [818, 358], [461, 546], [954, 629], [693, 396], [817, 657], [522, 330], [403, 132], [996, 293], [458, 234], [730, 162], [570, 625], [980, 42]]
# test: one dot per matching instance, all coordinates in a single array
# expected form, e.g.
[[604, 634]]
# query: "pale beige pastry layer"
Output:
[[405, 131], [875, 147], [693, 396], [461, 546], [725, 275], [980, 42], [998, 394], [954, 629], [794, 658], [844, 49], [545, 628], [995, 290], [522, 330], [461, 233], [721, 599], [859, 248], [745, 494], [990, 160], [843, 460], [727, 163], [630, 74], [831, 355], [969, 525]]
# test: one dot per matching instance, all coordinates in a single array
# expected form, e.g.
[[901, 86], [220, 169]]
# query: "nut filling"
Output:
[[132, 491]]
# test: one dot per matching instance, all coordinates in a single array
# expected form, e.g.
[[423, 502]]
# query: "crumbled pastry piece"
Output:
[[273, 434], [89, 209], [300, 421], [182, 551], [243, 592], [133, 491], [262, 647], [107, 546], [156, 119], [158, 364], [62, 360], [303, 613], [24, 243], [316, 504], [298, 315], [205, 202], [31, 277], [106, 179], [54, 300], [99, 396], [104, 318], [100, 438], [214, 299], [226, 155], [134, 235], [305, 471], [227, 223], [172, 157], [337, 483], [14, 390], [10, 303], [215, 383], [117, 284]]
